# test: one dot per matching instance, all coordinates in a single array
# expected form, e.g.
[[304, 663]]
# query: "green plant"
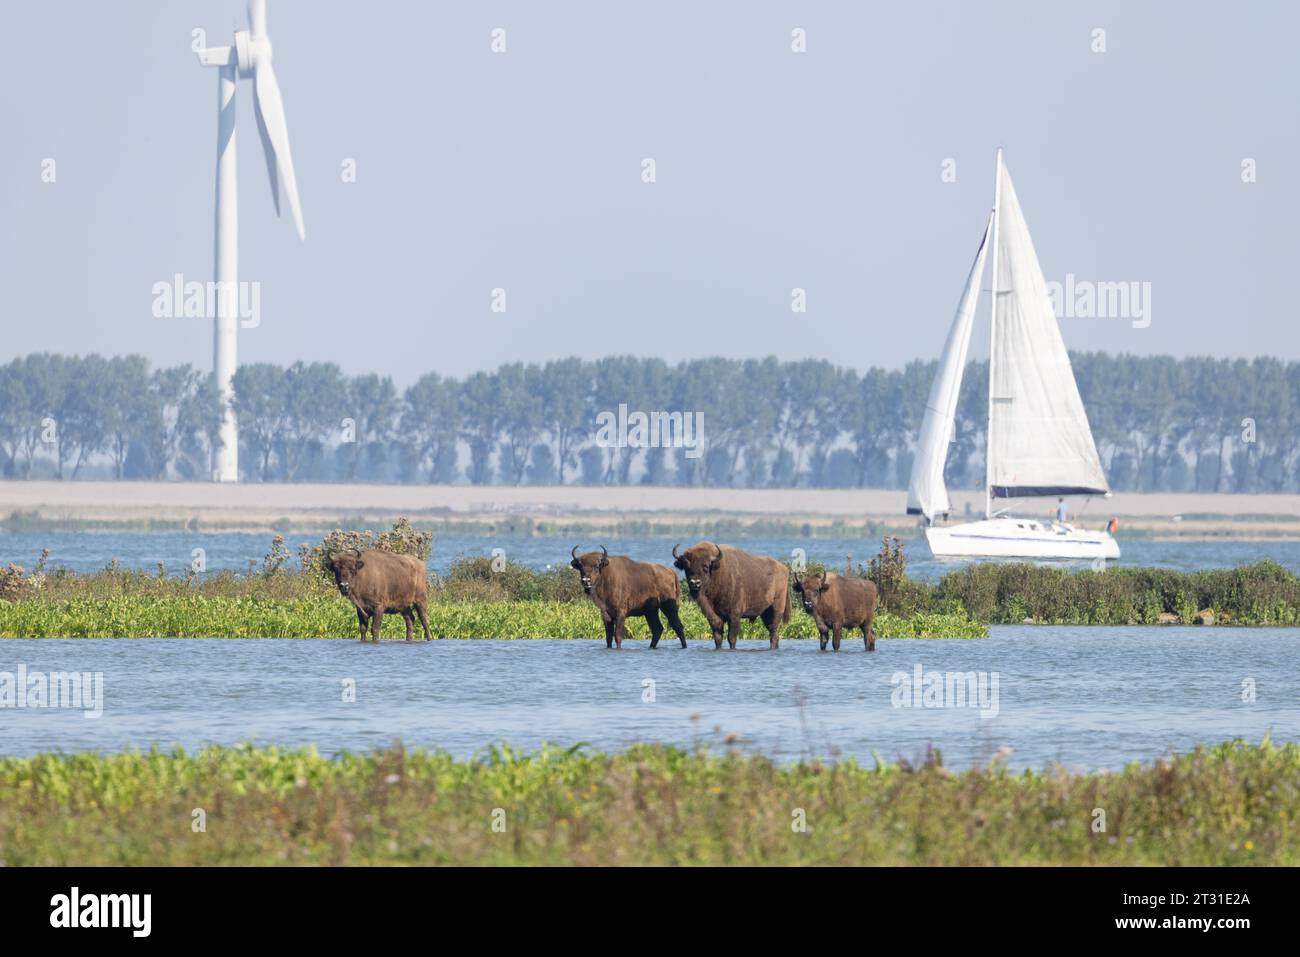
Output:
[[403, 538], [889, 570], [329, 616], [1261, 594], [716, 804]]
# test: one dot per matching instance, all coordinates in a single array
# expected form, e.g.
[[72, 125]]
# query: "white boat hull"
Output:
[[1020, 538]]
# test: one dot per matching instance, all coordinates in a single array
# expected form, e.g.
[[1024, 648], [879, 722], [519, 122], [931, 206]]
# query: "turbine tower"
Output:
[[248, 57]]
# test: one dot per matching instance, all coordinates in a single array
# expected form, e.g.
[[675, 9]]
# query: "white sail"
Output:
[[926, 493], [1039, 439]]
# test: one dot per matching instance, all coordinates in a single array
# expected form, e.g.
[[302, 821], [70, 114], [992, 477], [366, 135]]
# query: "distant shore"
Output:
[[95, 505]]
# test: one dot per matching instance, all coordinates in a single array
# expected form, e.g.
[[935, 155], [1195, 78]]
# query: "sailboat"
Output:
[[1039, 441]]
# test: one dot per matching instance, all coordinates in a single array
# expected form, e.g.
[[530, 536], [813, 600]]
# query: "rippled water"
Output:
[[91, 551], [1088, 697]]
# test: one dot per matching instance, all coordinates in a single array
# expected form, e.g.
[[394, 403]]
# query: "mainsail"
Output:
[[926, 493], [1039, 439]]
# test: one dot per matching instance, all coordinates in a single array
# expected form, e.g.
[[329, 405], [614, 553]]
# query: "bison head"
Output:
[[589, 566], [344, 568], [810, 587], [698, 562]]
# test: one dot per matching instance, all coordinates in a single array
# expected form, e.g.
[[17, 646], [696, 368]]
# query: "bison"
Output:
[[377, 582], [729, 584], [837, 603], [622, 589]]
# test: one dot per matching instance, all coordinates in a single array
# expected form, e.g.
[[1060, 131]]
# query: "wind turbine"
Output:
[[248, 57]]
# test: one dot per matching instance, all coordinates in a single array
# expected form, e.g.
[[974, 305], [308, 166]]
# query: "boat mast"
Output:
[[993, 340]]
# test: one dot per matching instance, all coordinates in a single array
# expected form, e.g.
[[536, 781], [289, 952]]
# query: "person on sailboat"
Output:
[[1062, 512]]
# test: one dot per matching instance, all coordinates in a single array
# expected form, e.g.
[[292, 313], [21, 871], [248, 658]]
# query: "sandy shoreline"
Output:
[[257, 506]]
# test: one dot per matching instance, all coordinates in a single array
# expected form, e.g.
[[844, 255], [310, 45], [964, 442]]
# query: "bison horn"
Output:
[[574, 552], [604, 551], [675, 547], [718, 549]]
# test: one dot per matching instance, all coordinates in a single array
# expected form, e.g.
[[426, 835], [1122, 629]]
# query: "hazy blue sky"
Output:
[[775, 170]]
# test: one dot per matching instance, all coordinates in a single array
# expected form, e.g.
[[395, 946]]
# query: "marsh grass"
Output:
[[329, 616], [1232, 804], [1264, 593], [479, 597]]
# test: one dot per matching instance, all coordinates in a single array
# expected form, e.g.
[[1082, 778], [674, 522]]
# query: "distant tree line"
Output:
[[1161, 423], [61, 414]]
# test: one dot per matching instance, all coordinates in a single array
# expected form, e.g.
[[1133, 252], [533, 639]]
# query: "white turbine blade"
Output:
[[257, 17], [272, 167], [275, 140]]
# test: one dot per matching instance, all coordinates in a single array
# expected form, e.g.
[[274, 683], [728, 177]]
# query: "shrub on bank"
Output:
[[484, 578], [1261, 594]]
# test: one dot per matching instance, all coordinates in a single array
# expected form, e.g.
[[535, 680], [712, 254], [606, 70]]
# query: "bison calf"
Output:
[[729, 584], [837, 603], [623, 589], [377, 582]]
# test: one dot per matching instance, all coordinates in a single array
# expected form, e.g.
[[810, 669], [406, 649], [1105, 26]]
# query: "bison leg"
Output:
[[715, 625], [408, 616], [773, 623], [835, 639], [620, 630], [424, 621], [656, 626], [363, 620], [869, 636], [733, 632], [376, 622], [675, 621], [609, 632], [824, 634]]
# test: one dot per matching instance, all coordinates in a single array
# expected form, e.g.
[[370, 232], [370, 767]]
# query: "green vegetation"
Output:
[[1163, 422], [1232, 804], [999, 593], [325, 616], [482, 597], [1261, 594], [479, 598]]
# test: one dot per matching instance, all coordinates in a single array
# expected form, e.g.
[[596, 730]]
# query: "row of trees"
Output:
[[67, 412], [1161, 423]]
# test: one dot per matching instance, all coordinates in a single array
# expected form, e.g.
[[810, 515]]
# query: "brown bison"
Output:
[[729, 584], [837, 603], [623, 589], [377, 582]]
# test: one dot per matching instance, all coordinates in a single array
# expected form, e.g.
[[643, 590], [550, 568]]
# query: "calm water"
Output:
[[1088, 697], [92, 551]]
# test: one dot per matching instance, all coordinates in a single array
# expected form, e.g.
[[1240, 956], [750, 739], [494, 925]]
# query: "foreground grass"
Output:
[[325, 616], [1230, 804]]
